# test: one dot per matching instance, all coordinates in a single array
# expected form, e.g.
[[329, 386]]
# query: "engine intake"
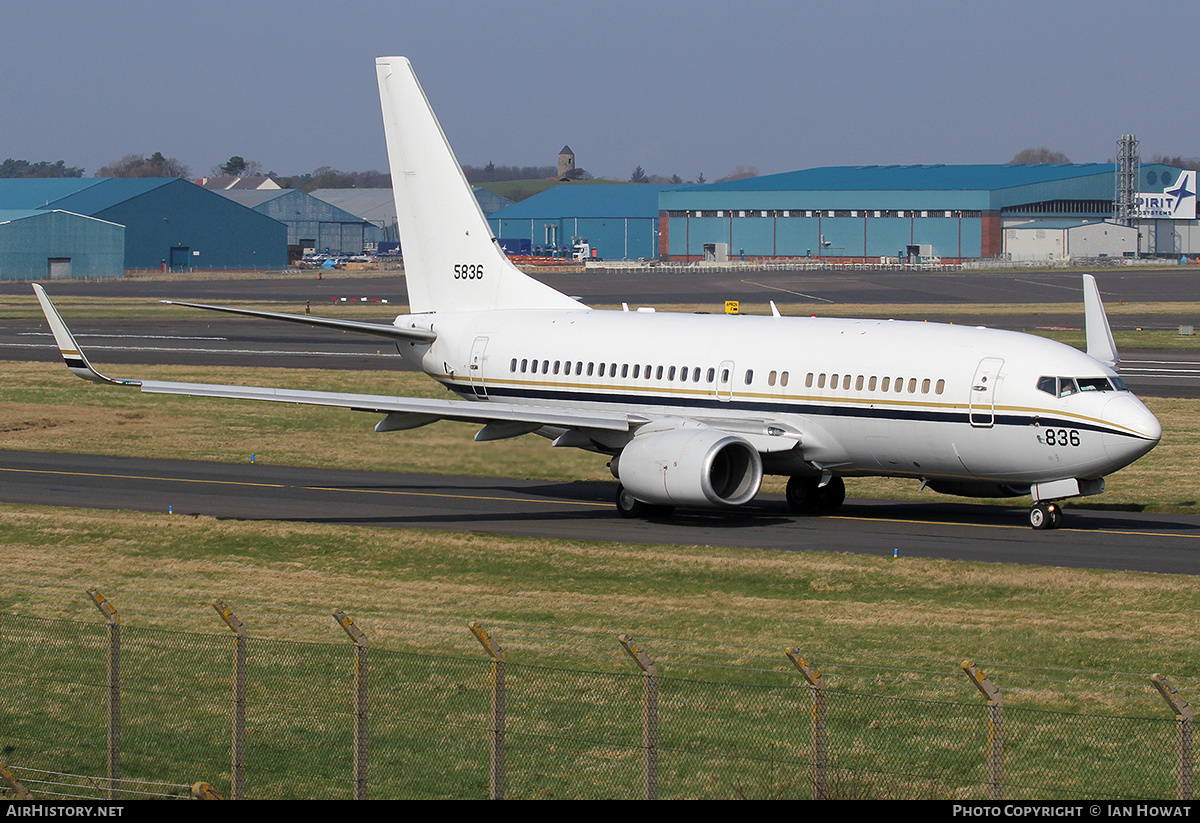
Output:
[[690, 467]]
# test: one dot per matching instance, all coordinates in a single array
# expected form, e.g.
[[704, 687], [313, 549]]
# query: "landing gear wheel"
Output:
[[831, 496], [802, 494], [629, 506], [1045, 516]]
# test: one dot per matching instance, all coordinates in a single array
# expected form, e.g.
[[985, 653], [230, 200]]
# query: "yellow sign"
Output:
[[731, 307]]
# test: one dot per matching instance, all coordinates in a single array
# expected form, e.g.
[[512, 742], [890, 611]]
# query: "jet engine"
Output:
[[690, 467]]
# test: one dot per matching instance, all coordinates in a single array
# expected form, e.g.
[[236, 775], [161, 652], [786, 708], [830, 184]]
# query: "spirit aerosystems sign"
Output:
[[1177, 200]]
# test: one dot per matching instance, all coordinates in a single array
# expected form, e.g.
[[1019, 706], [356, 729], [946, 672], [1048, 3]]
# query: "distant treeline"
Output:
[[44, 168]]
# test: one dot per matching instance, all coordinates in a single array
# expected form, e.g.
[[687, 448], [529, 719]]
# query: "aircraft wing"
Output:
[[403, 412], [379, 329]]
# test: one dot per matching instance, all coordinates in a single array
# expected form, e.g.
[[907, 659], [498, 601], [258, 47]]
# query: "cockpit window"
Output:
[[1065, 386], [1094, 384]]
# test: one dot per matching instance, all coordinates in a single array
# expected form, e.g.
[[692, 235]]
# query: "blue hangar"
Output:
[[841, 213], [168, 223]]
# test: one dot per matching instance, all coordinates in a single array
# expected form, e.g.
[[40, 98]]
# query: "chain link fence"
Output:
[[103, 709]]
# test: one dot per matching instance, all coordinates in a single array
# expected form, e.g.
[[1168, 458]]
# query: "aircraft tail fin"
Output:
[[451, 260], [1100, 343]]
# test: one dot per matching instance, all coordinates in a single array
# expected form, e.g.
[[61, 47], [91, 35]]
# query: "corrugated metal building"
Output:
[[312, 224], [168, 221], [619, 221], [871, 212], [378, 206], [41, 244]]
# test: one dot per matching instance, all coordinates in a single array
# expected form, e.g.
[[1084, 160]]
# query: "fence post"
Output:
[[237, 746], [995, 728], [361, 717], [819, 733], [496, 779], [1183, 734], [113, 628], [649, 717]]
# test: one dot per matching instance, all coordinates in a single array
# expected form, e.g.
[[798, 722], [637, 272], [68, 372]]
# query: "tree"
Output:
[[1178, 161], [1037, 157], [639, 176], [740, 173], [137, 165], [11, 168]]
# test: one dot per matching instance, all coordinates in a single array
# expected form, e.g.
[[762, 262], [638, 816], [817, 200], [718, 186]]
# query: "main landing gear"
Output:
[[806, 495], [1044, 515]]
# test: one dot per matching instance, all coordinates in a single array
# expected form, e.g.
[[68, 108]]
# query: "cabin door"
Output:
[[981, 406], [725, 381], [475, 369]]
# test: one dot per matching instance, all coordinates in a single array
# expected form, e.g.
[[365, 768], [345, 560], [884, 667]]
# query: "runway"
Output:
[[217, 340], [584, 511]]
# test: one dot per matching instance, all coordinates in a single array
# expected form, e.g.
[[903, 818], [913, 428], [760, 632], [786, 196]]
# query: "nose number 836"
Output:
[[1061, 437], [468, 271]]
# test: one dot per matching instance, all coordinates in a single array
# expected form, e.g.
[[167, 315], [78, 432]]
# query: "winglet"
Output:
[[1100, 344], [74, 357]]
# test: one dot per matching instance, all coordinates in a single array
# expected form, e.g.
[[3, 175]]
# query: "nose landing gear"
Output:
[[1045, 515]]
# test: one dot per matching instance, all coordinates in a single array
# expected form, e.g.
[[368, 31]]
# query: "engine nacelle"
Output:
[[690, 467]]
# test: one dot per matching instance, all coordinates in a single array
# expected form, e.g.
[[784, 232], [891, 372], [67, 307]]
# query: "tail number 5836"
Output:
[[468, 271]]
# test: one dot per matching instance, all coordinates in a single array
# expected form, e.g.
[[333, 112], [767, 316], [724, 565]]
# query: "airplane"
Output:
[[694, 409]]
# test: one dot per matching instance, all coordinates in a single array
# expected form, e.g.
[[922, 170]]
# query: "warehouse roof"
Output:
[[616, 200], [912, 178]]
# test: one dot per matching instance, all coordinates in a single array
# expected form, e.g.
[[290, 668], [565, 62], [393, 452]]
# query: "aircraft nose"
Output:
[[1140, 429]]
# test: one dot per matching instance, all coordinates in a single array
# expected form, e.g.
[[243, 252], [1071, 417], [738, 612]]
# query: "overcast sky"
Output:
[[678, 88]]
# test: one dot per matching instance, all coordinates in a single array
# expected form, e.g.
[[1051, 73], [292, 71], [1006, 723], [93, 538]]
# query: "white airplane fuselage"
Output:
[[864, 397]]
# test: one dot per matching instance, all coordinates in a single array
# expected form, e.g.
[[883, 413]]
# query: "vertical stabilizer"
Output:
[[451, 260], [1100, 343]]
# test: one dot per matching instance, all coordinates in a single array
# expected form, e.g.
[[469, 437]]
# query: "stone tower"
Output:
[[566, 162]]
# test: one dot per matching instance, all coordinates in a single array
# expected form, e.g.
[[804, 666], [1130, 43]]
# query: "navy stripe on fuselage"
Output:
[[775, 407]]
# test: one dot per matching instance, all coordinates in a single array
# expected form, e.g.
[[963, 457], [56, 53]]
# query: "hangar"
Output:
[[312, 224], [863, 213], [619, 221], [953, 212], [39, 244], [169, 222]]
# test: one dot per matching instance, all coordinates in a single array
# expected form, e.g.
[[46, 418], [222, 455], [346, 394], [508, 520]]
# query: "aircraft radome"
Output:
[[694, 409]]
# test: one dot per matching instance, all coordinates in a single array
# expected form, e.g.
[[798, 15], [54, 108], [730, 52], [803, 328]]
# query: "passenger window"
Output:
[[871, 384], [696, 375], [524, 365], [512, 367], [783, 379], [925, 386], [940, 387], [579, 367], [886, 384], [658, 373], [545, 367], [858, 384], [591, 369], [749, 376], [771, 379], [557, 363], [821, 380], [637, 371], [712, 374], [808, 381], [833, 382], [912, 385], [725, 376], [624, 369], [671, 373], [899, 384]]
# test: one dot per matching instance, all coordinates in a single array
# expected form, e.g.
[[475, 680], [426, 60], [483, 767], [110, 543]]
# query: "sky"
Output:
[[683, 88]]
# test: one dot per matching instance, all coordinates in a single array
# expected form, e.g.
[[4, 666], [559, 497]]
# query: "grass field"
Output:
[[1079, 641]]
